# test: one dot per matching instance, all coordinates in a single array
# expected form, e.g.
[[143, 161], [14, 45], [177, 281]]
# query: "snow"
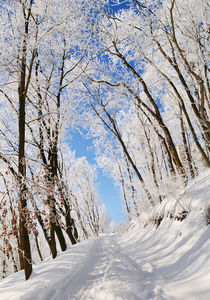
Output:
[[144, 262]]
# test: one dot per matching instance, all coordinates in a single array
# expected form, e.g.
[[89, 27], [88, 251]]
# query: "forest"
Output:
[[131, 75]]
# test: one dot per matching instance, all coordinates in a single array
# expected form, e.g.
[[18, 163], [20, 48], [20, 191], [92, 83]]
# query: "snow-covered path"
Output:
[[144, 263], [134, 266], [94, 269], [114, 275]]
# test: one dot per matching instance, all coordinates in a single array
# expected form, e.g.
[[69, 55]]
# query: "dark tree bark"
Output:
[[186, 148], [25, 250]]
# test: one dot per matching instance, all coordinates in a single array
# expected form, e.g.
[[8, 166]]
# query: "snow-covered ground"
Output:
[[171, 262]]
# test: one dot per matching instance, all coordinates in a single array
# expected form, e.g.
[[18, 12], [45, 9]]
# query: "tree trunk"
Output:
[[71, 229], [38, 248], [25, 251], [187, 152]]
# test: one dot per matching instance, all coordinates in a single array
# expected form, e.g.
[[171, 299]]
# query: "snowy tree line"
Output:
[[148, 89], [135, 80]]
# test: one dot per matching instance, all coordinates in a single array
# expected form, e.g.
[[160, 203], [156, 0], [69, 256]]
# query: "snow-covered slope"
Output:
[[145, 262]]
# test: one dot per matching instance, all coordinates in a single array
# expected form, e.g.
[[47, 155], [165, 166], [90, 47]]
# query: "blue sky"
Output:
[[108, 192], [123, 4]]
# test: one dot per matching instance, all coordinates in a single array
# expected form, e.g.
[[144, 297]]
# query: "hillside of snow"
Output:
[[148, 259]]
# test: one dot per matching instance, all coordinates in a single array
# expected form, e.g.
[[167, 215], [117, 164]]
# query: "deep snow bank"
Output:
[[177, 253]]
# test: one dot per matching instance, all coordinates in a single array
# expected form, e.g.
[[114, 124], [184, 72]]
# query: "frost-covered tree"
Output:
[[80, 180]]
